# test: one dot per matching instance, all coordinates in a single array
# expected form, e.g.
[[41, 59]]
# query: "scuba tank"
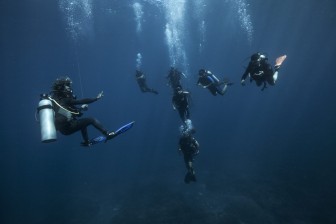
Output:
[[46, 117]]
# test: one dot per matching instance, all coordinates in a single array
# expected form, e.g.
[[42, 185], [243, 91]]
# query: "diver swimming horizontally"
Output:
[[211, 82]]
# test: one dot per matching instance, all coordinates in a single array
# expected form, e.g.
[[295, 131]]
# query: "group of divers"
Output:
[[67, 109]]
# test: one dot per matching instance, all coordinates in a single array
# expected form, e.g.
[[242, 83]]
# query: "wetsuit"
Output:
[[141, 79], [190, 148], [68, 123], [181, 103], [174, 78], [261, 72], [212, 83]]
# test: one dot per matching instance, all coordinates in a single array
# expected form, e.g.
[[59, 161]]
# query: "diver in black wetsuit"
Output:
[[211, 82], [174, 78], [260, 71], [141, 79], [181, 103], [67, 112], [189, 146]]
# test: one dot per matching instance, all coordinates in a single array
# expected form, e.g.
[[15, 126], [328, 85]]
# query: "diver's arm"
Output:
[[196, 143], [180, 146], [174, 103], [85, 100], [82, 101], [199, 82], [245, 75], [247, 71]]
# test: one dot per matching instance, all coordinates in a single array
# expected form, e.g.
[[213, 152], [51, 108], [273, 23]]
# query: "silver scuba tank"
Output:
[[46, 117]]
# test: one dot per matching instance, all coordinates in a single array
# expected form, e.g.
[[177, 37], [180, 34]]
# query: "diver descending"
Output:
[[180, 102], [211, 82], [261, 71], [174, 78], [189, 147], [141, 80], [67, 112]]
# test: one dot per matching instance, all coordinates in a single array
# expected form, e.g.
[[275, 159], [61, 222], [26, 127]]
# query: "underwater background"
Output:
[[265, 157]]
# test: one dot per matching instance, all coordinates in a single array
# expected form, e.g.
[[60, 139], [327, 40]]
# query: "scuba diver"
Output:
[[141, 79], [181, 103], [211, 82], [189, 146], [174, 78], [67, 112], [261, 71]]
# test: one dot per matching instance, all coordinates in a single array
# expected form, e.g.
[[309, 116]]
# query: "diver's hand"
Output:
[[100, 95], [84, 107], [242, 82]]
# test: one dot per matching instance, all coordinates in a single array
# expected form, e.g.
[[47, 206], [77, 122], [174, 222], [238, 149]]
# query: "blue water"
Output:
[[266, 156]]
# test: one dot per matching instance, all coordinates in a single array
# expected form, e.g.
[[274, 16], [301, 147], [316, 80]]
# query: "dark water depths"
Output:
[[266, 156]]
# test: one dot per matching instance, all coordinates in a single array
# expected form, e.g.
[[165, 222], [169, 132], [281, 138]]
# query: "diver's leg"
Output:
[[213, 90], [98, 126], [223, 91], [182, 114], [76, 125], [71, 128], [187, 114], [153, 91], [259, 82], [143, 89], [190, 176], [188, 160], [85, 135], [149, 89], [190, 167], [84, 122], [275, 76]]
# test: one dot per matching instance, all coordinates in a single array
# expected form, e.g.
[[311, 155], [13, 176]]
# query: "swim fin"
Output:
[[280, 60], [111, 135], [190, 176]]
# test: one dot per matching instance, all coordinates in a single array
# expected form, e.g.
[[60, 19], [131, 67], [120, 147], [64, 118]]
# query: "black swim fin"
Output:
[[190, 176]]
